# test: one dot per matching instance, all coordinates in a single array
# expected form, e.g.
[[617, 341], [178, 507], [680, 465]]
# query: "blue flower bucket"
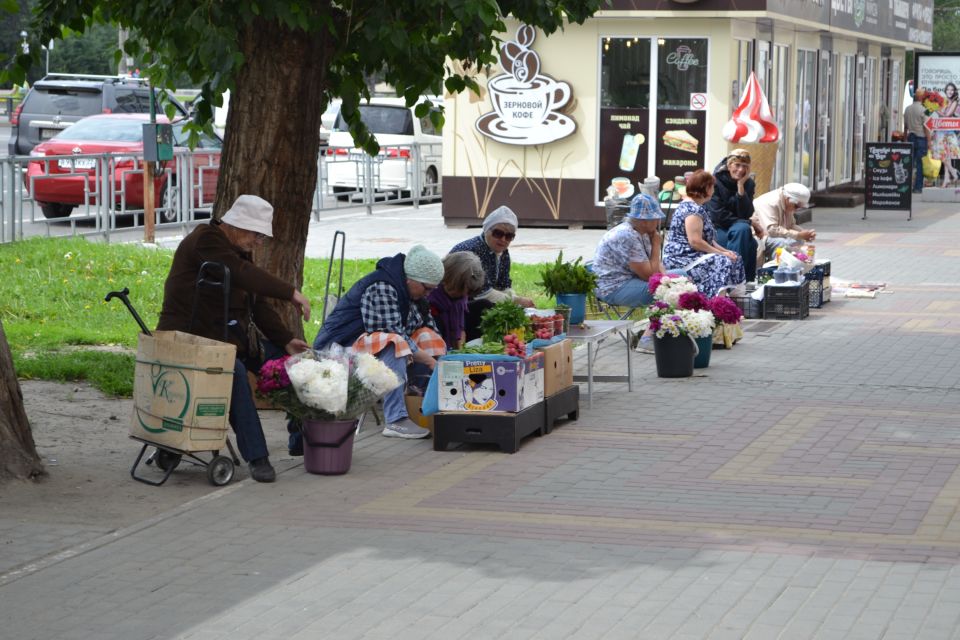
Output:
[[577, 303]]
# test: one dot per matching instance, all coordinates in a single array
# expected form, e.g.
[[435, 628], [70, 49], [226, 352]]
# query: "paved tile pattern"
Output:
[[806, 485]]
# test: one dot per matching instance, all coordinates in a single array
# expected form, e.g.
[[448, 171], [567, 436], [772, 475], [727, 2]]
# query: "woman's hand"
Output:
[[524, 302], [807, 234], [422, 357], [296, 346], [302, 304], [733, 255]]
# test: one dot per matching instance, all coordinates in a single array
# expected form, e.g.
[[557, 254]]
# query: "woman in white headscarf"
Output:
[[492, 247], [774, 212]]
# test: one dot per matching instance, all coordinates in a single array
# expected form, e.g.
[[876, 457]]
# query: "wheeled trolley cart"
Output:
[[182, 388]]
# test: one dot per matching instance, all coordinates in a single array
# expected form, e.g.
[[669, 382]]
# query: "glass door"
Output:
[[872, 108], [846, 118], [778, 105], [859, 110], [824, 146], [625, 93]]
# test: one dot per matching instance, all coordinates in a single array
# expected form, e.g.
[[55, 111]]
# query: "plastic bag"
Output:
[[931, 167]]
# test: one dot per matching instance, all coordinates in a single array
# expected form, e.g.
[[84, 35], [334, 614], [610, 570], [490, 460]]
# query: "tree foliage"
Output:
[[406, 41], [946, 25]]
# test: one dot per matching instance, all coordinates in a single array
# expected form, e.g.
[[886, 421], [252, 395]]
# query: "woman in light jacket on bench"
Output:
[[774, 212]]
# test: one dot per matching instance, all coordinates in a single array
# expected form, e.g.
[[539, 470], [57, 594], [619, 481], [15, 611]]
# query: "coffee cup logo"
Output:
[[525, 102]]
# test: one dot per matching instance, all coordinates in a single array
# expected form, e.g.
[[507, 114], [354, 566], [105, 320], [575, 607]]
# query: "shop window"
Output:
[[681, 71], [804, 115], [625, 73], [622, 158], [743, 65], [777, 96]]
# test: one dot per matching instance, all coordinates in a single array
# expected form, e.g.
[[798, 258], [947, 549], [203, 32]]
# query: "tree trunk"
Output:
[[18, 454], [265, 152]]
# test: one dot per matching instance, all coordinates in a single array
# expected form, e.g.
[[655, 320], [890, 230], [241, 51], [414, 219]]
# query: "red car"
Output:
[[59, 186]]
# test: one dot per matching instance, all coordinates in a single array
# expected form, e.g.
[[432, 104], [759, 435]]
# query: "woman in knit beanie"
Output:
[[382, 315]]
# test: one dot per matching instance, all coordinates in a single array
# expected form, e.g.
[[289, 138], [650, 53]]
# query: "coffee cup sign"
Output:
[[525, 102]]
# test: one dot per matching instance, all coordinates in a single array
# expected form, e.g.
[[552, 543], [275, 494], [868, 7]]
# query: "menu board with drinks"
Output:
[[887, 180], [623, 150]]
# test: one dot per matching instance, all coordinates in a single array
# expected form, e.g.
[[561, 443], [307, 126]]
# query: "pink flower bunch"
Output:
[[654, 281], [273, 376], [724, 309], [693, 300]]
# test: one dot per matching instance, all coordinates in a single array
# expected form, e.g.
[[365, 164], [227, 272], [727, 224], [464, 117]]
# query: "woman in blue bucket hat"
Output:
[[629, 254]]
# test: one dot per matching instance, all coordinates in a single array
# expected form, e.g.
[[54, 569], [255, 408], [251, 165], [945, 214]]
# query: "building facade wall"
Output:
[[811, 78]]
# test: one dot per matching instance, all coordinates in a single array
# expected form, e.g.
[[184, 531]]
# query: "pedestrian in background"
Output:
[[914, 117]]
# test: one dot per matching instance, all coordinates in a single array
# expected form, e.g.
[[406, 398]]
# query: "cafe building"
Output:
[[644, 88]]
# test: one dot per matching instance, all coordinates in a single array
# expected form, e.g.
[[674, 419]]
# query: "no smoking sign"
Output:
[[698, 101]]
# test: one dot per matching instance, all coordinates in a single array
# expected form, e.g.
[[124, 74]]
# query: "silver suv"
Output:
[[60, 99]]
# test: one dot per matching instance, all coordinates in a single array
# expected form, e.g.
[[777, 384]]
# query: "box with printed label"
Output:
[[182, 385], [557, 367], [488, 384]]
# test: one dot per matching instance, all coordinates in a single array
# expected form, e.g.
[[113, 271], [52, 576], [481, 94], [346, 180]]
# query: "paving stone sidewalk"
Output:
[[805, 485]]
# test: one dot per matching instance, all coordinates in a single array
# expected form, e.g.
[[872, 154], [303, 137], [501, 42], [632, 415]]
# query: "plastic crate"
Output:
[[815, 278], [823, 264], [616, 209], [786, 302], [765, 274], [750, 308]]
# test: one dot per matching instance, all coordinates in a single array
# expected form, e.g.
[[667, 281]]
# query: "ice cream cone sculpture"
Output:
[[752, 121], [753, 128]]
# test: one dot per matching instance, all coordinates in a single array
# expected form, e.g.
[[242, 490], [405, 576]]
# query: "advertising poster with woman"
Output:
[[937, 76]]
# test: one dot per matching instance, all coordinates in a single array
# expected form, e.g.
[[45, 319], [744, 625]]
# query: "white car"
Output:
[[397, 168]]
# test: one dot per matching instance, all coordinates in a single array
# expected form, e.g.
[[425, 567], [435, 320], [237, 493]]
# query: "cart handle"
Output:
[[123, 297]]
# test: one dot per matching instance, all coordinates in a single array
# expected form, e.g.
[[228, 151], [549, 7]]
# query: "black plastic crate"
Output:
[[815, 278], [748, 306], [786, 302]]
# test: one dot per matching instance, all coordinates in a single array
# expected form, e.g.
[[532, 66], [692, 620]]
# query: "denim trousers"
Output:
[[635, 292], [739, 238], [919, 151], [244, 418]]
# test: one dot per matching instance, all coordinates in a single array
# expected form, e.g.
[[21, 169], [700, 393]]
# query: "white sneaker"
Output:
[[645, 345], [405, 429]]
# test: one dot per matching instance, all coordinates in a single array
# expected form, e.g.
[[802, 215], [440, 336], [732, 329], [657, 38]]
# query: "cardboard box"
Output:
[[484, 384], [181, 390], [415, 413], [557, 367]]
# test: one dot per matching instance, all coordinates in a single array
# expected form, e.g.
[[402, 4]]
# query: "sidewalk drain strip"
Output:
[[762, 326]]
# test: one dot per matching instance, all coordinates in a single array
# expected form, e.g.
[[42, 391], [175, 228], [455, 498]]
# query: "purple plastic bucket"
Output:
[[328, 446]]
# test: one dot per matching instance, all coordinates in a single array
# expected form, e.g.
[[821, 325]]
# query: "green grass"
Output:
[[52, 302]]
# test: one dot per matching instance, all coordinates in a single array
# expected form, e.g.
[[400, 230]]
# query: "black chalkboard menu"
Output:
[[888, 177]]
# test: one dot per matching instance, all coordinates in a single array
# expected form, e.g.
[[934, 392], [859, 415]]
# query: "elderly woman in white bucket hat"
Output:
[[774, 212], [230, 241]]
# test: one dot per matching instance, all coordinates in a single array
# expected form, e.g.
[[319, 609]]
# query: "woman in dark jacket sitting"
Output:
[[491, 246], [731, 208]]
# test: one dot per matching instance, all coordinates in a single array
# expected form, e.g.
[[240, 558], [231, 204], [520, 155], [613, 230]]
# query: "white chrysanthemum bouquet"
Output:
[[332, 385], [667, 288]]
